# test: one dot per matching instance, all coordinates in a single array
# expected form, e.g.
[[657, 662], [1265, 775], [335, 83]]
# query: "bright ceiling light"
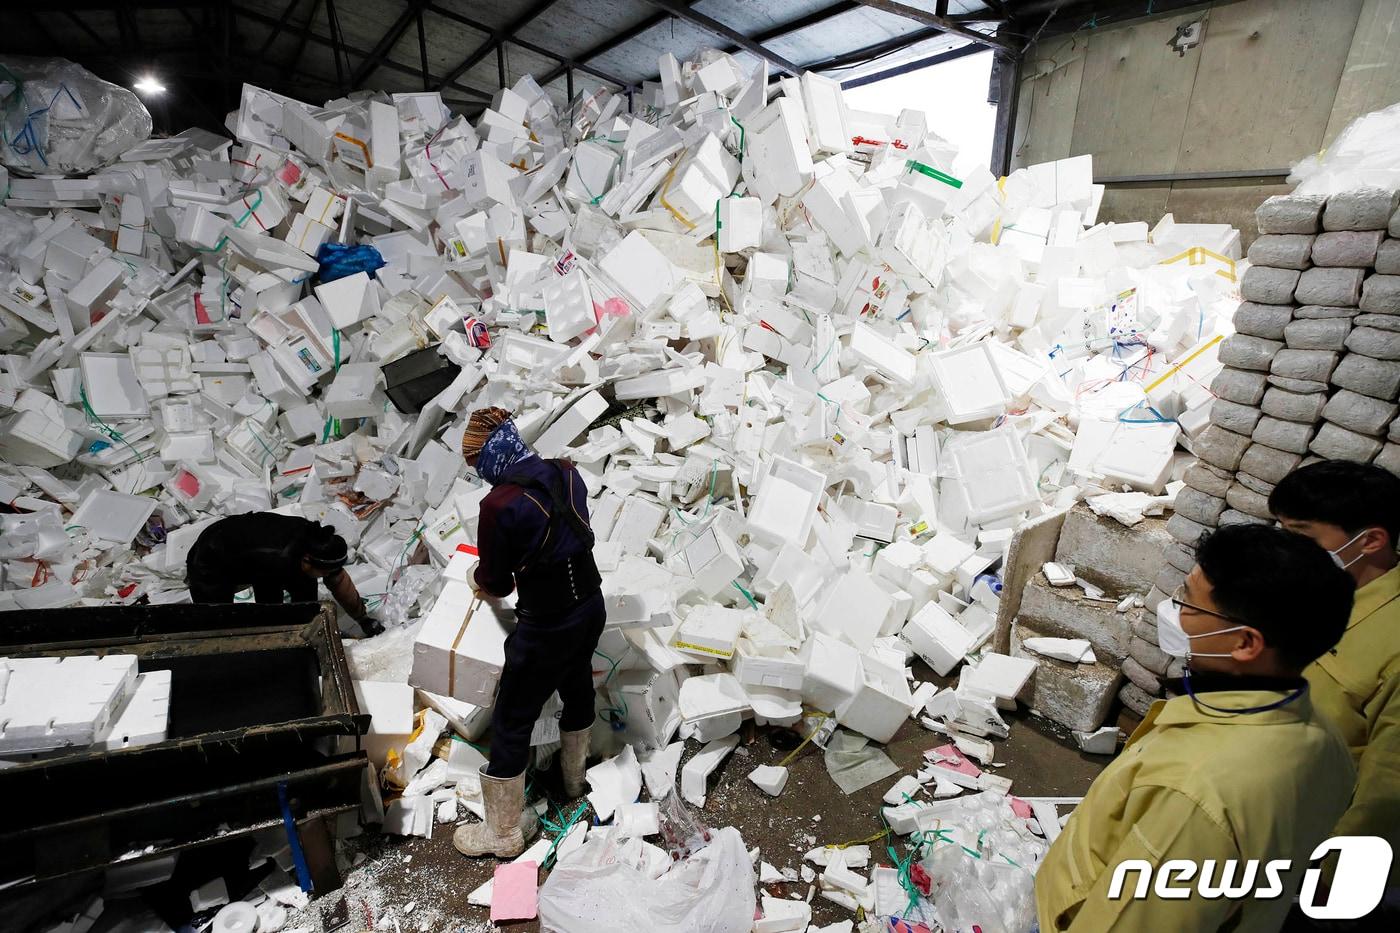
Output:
[[148, 84]]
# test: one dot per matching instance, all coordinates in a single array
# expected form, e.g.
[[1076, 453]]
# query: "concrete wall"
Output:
[[1272, 82]]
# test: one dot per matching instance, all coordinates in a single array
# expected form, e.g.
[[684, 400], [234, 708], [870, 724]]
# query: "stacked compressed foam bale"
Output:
[[1313, 369]]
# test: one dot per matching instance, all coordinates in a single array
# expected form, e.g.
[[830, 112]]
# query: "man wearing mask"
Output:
[[1238, 766], [1353, 510], [278, 556], [533, 536]]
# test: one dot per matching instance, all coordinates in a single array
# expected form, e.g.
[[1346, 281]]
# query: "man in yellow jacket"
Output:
[[1353, 510], [1238, 767]]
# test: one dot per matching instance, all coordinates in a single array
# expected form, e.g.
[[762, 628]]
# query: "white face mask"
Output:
[[1337, 554], [1175, 641]]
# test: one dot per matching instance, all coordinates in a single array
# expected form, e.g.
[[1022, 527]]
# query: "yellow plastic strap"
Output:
[[665, 187], [1197, 256], [1178, 367], [821, 718]]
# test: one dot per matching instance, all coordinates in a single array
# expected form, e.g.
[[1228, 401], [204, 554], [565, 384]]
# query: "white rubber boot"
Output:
[[508, 826], [573, 760]]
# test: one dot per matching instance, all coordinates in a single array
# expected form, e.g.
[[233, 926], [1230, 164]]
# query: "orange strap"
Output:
[[452, 656], [369, 160]]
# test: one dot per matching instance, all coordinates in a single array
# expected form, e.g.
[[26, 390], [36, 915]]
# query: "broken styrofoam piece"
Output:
[[695, 775], [614, 782], [1073, 650], [1101, 742], [770, 779], [1057, 574]]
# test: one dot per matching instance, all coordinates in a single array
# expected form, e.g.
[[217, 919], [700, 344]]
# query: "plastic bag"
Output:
[[711, 892], [60, 118], [971, 893], [338, 260], [682, 833], [1365, 154]]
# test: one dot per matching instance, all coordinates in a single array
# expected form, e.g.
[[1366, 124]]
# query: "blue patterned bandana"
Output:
[[503, 450]]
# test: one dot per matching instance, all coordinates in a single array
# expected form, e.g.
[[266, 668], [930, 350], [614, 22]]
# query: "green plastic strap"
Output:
[[912, 165]]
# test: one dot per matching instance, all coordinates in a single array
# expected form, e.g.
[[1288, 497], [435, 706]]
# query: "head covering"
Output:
[[503, 450], [479, 427], [326, 550]]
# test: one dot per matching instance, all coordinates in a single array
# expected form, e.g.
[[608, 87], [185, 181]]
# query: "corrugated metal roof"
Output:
[[206, 49]]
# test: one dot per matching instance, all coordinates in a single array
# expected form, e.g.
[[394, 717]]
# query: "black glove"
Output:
[[370, 626]]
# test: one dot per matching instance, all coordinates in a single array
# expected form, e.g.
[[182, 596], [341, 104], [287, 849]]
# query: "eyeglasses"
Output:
[[1181, 603]]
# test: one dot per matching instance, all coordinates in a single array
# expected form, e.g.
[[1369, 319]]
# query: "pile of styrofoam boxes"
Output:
[[49, 705], [1313, 370], [815, 366]]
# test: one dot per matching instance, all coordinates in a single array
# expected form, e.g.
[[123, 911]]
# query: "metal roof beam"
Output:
[[962, 51], [281, 24], [940, 22], [497, 37], [385, 45], [715, 27], [564, 61], [606, 46], [311, 35]]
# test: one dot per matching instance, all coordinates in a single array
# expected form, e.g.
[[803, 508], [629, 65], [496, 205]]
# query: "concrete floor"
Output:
[[1039, 758]]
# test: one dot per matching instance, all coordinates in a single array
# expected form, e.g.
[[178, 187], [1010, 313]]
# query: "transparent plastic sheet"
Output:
[[403, 593], [682, 833], [971, 893], [16, 232], [1365, 154], [710, 892], [59, 118]]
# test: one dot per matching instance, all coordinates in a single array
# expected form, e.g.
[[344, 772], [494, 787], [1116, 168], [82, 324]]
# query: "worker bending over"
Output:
[[1353, 510], [276, 555], [1240, 766], [532, 534]]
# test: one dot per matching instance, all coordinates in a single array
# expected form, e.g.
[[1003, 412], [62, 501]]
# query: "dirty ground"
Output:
[[428, 874]]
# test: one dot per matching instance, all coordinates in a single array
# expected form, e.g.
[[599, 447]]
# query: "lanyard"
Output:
[[1186, 680]]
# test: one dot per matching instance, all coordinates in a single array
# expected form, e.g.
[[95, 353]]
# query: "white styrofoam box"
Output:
[[881, 702], [1139, 455], [709, 631], [881, 353], [827, 119], [796, 568], [113, 516], [713, 562], [568, 426], [943, 553], [32, 438], [833, 672], [652, 700], [969, 383], [111, 386], [785, 671], [778, 153], [390, 708], [642, 271], [144, 718], [51, 703], [568, 306], [636, 522], [854, 608], [354, 392], [896, 562], [696, 773], [786, 503], [993, 474], [938, 638], [783, 916], [349, 300], [740, 224], [1002, 676], [459, 655]]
